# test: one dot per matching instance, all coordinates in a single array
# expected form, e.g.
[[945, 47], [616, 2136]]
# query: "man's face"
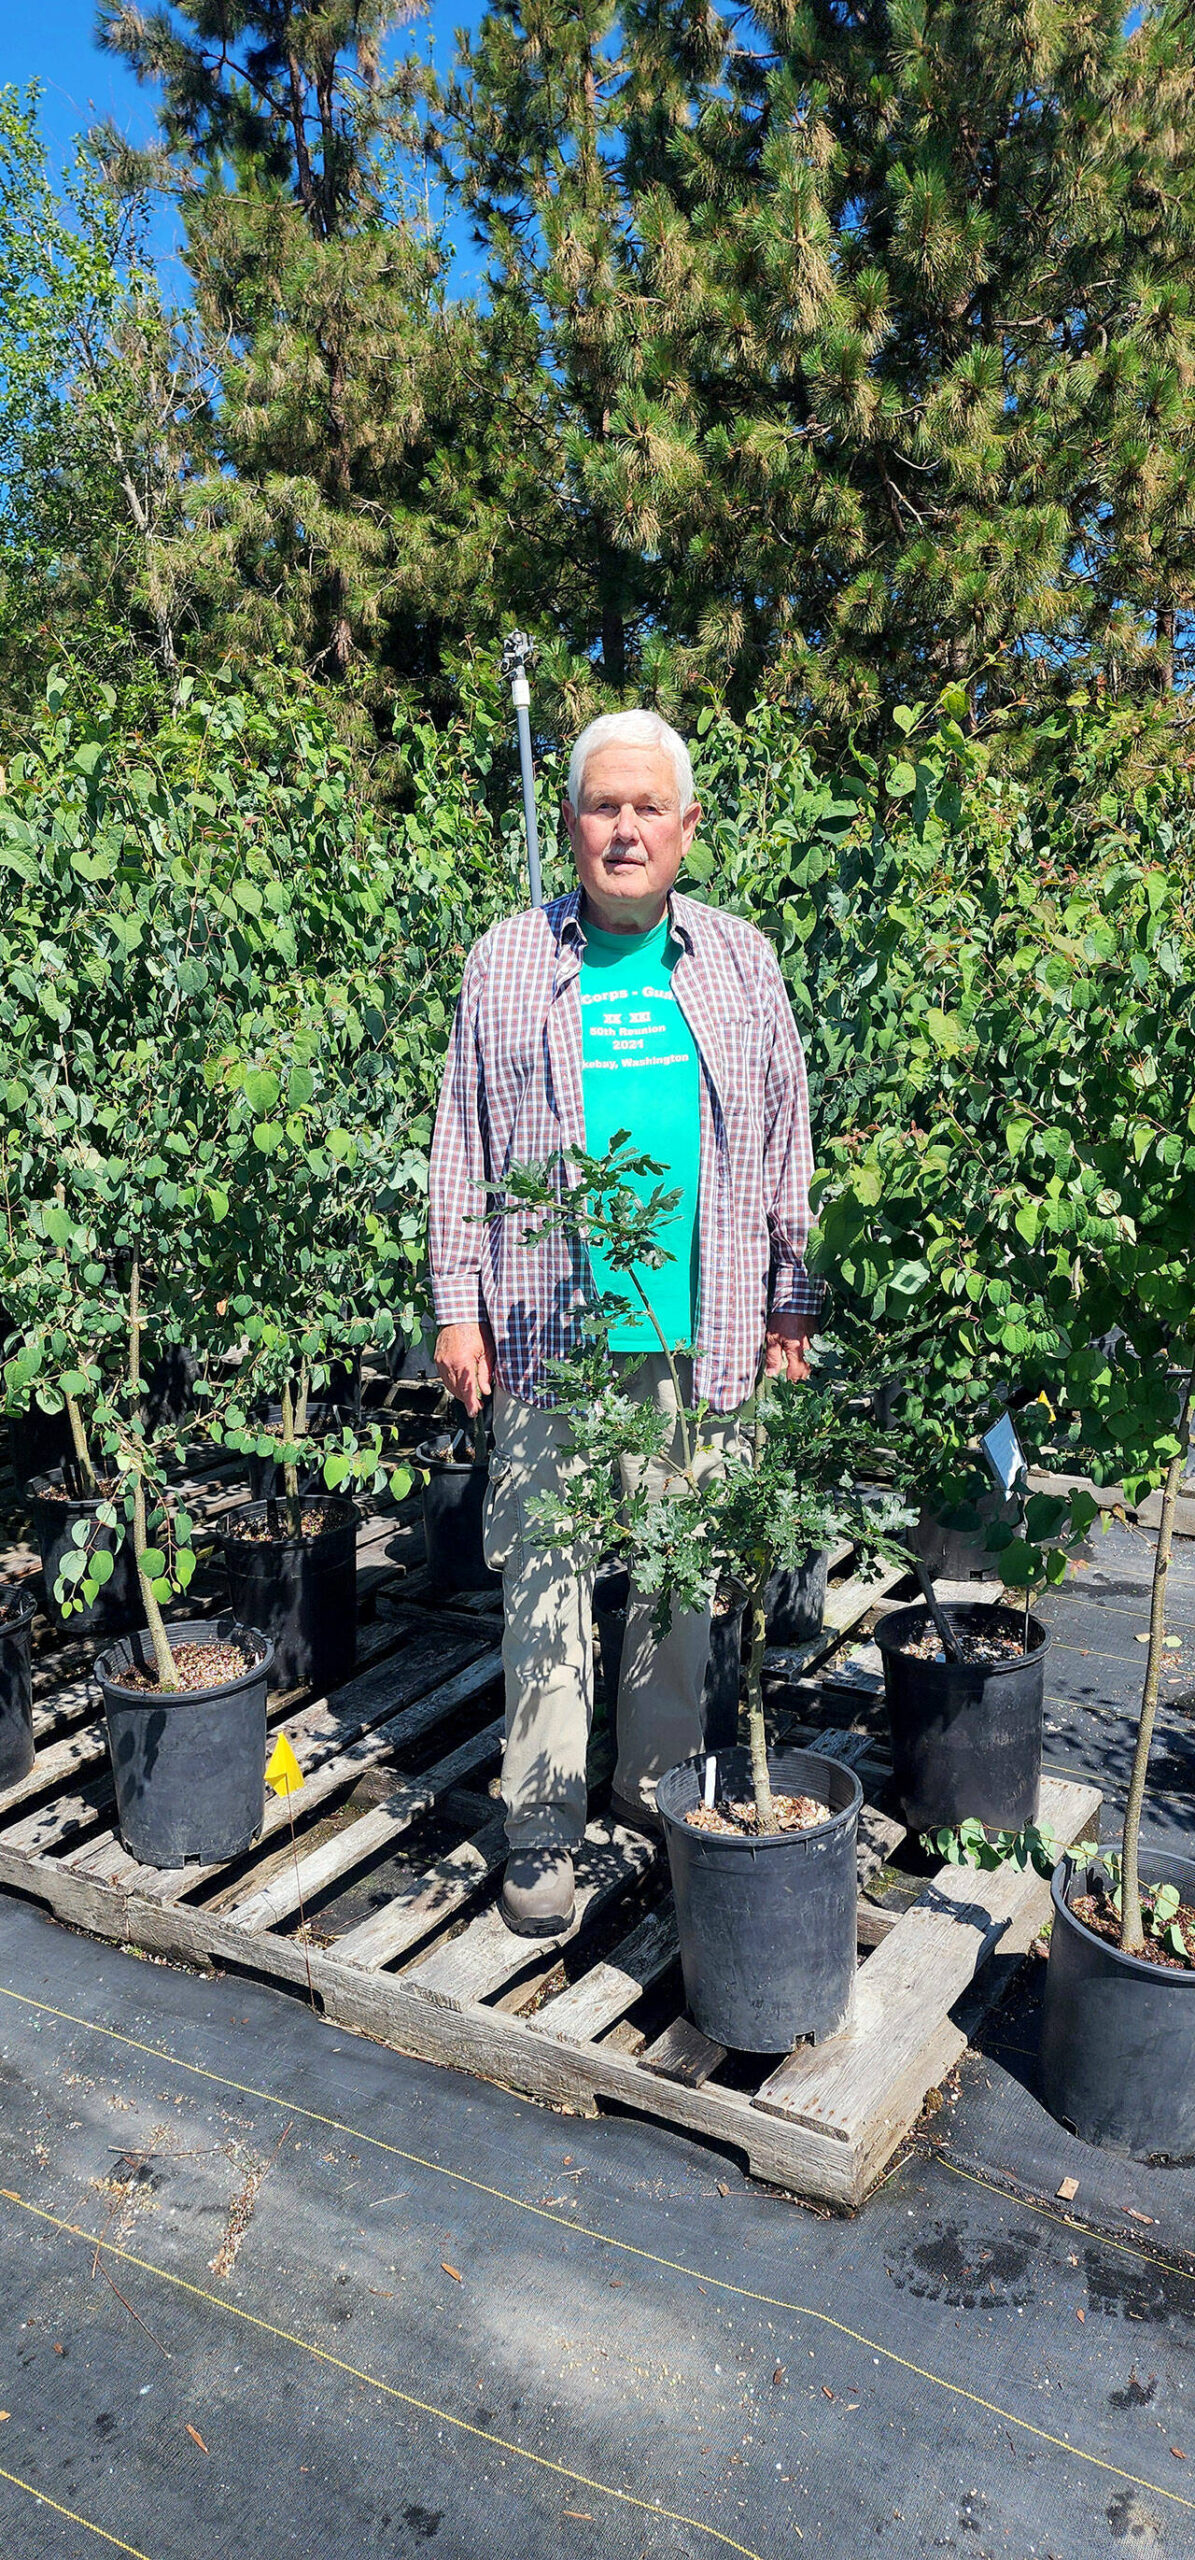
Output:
[[629, 836]]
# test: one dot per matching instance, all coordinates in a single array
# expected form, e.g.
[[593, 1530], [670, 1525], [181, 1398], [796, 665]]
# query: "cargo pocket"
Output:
[[502, 1523]]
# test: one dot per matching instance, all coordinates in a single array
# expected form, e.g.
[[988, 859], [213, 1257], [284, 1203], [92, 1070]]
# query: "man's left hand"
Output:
[[786, 1353]]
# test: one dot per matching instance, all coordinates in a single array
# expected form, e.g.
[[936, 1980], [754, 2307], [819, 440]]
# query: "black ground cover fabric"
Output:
[[458, 2325]]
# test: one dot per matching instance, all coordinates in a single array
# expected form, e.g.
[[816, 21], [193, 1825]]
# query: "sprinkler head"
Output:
[[517, 653]]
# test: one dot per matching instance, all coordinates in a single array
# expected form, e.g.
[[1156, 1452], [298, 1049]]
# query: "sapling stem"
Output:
[[163, 1657], [1132, 1934], [290, 1471], [300, 1428], [686, 1438], [86, 1471], [765, 1810]]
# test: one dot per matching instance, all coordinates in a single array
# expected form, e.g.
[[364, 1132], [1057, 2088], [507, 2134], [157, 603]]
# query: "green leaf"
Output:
[[152, 1563], [902, 780]]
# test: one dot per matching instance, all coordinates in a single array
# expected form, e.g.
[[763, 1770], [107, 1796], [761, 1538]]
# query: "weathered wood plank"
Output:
[[53, 1825], [588, 2006], [683, 2054], [426, 1902], [513, 2050], [856, 2086], [370, 1836], [488, 1956]]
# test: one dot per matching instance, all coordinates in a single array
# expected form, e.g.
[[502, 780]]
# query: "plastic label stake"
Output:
[[711, 1780]]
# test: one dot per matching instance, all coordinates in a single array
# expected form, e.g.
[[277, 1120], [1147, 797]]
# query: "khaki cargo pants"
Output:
[[547, 1645]]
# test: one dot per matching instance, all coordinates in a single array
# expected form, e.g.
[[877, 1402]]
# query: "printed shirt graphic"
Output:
[[641, 1073]]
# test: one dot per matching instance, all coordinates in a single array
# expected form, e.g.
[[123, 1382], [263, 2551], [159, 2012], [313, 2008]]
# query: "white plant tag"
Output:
[[711, 1780]]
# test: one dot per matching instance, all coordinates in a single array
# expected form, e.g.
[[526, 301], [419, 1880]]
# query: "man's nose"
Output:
[[626, 825]]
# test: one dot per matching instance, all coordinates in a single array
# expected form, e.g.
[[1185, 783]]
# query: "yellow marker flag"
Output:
[[283, 1773]]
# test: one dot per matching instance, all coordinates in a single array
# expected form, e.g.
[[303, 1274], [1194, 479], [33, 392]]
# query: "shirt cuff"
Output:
[[797, 1293], [458, 1299]]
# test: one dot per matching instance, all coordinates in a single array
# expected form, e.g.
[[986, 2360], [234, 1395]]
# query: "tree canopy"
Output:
[[830, 355]]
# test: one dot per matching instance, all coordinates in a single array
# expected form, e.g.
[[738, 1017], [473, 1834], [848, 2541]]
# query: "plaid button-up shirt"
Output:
[[512, 1094]]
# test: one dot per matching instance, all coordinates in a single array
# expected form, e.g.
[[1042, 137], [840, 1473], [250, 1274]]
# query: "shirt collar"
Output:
[[680, 912]]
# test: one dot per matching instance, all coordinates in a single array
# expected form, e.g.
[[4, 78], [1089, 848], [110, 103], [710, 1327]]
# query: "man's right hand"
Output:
[[465, 1362]]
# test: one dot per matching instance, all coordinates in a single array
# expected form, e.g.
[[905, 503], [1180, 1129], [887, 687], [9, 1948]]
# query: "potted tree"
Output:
[[965, 1689], [761, 1845], [1118, 2022]]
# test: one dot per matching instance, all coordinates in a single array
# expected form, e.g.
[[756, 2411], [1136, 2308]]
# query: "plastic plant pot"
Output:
[[966, 1736], [300, 1589], [454, 1493], [767, 1925], [189, 1765], [1118, 2033], [795, 1601], [117, 1604], [17, 1611], [38, 1442]]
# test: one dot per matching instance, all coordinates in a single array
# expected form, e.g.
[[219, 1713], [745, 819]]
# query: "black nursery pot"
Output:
[[1118, 2034], [300, 1590], [17, 1612], [966, 1736], [454, 1493], [118, 1604], [766, 1925], [38, 1442], [189, 1765], [795, 1601]]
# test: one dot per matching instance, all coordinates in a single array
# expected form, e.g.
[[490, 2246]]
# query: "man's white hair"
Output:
[[630, 729]]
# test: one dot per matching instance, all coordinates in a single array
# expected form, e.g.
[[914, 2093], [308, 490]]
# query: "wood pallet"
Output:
[[395, 1869]]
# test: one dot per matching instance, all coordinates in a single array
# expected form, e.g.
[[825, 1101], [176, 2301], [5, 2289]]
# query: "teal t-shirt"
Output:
[[641, 1073]]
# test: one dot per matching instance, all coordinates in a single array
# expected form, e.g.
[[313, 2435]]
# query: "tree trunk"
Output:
[[83, 1463], [1132, 1935], [163, 1657], [290, 1470], [765, 1811]]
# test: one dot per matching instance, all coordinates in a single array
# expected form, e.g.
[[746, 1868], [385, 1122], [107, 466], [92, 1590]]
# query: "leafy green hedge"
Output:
[[234, 980]]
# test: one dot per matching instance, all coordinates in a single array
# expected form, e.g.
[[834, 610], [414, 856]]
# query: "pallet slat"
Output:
[[585, 2009], [370, 1836], [474, 1967], [426, 1902], [683, 2054]]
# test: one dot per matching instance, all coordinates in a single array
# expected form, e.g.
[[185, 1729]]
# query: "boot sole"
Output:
[[551, 1928]]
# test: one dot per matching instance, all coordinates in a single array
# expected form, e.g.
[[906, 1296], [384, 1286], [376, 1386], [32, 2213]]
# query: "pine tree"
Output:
[[337, 531], [868, 333]]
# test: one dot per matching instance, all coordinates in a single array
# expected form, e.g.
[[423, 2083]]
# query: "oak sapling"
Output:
[[798, 1481]]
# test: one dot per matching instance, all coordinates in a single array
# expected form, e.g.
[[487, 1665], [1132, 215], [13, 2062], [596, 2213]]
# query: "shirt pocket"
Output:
[[744, 1067]]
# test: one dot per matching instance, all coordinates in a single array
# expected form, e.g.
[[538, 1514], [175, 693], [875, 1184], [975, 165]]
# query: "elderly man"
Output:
[[621, 1006]]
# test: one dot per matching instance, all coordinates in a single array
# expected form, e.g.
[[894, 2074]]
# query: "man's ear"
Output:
[[569, 815], [690, 821]]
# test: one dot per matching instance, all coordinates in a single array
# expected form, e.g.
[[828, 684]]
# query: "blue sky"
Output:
[[52, 41]]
